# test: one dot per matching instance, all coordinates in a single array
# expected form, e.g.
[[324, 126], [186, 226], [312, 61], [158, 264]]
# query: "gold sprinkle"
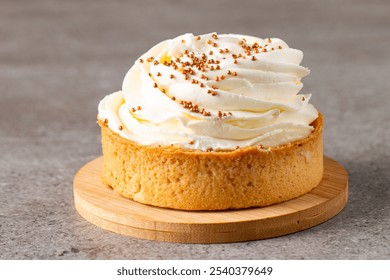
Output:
[[234, 73], [155, 85], [209, 42], [173, 98], [163, 90], [120, 127], [158, 74], [191, 142], [198, 38], [269, 40], [215, 45], [253, 58], [235, 61], [155, 62], [150, 74], [215, 36], [183, 41], [133, 110], [211, 52], [105, 121], [171, 76], [139, 108], [141, 60]]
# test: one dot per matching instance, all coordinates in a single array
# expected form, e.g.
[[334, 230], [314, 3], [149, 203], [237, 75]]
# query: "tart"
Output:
[[212, 122]]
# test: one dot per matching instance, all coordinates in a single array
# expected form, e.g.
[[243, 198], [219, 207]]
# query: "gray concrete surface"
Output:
[[59, 58]]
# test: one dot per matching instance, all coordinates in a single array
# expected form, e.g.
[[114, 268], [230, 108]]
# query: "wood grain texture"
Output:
[[107, 209]]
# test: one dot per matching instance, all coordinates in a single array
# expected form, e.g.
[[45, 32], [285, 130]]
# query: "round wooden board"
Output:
[[105, 208]]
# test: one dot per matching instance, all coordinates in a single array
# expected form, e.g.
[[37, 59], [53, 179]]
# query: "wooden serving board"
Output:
[[105, 208]]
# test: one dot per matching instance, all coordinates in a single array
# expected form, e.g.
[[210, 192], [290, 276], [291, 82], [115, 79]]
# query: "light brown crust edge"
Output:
[[196, 180]]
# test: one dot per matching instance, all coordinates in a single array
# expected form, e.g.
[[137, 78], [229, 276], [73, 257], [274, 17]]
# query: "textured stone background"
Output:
[[59, 58]]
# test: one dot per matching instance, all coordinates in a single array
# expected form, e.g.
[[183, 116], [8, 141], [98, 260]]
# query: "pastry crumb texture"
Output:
[[178, 178]]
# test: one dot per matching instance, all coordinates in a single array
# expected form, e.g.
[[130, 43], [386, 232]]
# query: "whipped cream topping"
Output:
[[213, 92]]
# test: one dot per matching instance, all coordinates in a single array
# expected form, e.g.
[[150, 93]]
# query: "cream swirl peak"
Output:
[[213, 92]]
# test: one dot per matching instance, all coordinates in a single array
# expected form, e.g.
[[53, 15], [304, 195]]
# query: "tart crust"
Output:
[[185, 179]]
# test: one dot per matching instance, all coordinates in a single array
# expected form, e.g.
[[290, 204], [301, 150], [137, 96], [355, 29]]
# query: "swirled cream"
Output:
[[213, 92]]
